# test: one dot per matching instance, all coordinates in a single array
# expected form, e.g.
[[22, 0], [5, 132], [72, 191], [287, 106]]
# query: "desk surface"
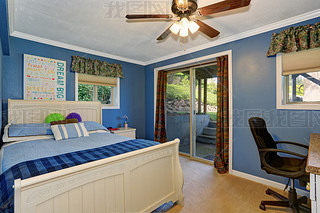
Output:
[[313, 164]]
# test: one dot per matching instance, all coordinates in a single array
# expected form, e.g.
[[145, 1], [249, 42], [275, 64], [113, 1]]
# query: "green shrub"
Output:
[[85, 92], [181, 91]]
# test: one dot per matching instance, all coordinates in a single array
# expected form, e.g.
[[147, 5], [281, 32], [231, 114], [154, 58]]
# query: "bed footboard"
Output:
[[138, 181]]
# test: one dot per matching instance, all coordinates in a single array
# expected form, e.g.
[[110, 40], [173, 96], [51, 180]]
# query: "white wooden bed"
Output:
[[138, 181]]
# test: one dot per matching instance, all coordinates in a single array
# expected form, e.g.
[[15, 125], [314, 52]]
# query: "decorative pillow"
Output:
[[54, 117], [66, 121], [92, 126], [66, 131], [74, 115]]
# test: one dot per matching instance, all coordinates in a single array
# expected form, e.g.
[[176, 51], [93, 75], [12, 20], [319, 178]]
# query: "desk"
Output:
[[313, 167]]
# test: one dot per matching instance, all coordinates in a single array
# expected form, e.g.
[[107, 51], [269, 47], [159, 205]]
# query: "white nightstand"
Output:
[[128, 132]]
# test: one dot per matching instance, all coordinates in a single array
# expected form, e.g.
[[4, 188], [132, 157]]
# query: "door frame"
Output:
[[196, 61]]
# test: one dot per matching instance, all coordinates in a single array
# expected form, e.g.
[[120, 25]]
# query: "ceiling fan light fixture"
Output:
[[193, 27], [184, 31], [175, 28], [186, 11], [184, 23]]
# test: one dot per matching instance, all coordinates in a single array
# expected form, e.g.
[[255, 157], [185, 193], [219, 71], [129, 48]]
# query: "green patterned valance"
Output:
[[295, 39], [95, 67]]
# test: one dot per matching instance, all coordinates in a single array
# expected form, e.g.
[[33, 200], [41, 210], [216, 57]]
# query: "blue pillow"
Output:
[[66, 131], [92, 125], [20, 130]]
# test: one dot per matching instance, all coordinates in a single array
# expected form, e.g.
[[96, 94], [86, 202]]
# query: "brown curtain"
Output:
[[222, 139], [160, 134]]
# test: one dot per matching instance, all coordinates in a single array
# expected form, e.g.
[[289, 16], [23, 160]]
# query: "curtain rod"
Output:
[[188, 67]]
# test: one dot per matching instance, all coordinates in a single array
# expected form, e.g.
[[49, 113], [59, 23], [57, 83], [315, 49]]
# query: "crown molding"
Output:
[[256, 31], [11, 15], [14, 33], [18, 34]]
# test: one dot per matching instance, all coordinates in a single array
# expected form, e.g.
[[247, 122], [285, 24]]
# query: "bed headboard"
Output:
[[29, 111]]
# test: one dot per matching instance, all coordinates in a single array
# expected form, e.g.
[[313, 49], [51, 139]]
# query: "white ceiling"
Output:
[[96, 27]]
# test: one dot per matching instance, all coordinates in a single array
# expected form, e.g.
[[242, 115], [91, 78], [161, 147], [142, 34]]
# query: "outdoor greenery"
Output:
[[299, 85], [179, 89], [104, 94], [211, 93], [299, 90], [86, 93], [213, 116]]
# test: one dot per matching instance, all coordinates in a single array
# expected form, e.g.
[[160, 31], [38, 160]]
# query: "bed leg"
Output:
[[17, 195], [181, 199], [180, 178]]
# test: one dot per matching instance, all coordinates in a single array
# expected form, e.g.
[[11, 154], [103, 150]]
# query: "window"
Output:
[[98, 88], [303, 87], [298, 80]]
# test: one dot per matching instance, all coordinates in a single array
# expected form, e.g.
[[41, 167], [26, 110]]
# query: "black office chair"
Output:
[[272, 163]]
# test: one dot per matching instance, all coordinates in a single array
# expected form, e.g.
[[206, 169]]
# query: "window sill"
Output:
[[299, 106], [104, 106]]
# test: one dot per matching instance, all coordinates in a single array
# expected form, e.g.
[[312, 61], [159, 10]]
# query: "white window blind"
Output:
[[97, 80], [301, 62]]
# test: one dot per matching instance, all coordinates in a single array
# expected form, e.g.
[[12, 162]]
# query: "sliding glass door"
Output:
[[205, 90], [178, 108], [191, 110]]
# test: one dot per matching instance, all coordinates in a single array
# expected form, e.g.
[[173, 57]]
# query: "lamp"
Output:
[[183, 32], [175, 28], [193, 26], [183, 27]]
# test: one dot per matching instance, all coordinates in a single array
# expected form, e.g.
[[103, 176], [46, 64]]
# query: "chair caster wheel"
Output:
[[262, 207], [268, 192]]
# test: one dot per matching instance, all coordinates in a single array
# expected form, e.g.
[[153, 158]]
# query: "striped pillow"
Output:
[[66, 131]]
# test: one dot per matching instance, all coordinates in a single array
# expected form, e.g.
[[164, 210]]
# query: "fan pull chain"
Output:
[[181, 44]]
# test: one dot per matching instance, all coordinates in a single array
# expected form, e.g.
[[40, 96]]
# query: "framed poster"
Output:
[[44, 78]]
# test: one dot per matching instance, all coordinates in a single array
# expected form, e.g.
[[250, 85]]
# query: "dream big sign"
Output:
[[44, 78]]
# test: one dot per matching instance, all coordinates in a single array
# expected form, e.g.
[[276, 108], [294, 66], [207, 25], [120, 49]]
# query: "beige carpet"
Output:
[[206, 191]]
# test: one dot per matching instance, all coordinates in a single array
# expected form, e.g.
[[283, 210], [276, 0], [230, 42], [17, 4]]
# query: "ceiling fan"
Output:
[[187, 11]]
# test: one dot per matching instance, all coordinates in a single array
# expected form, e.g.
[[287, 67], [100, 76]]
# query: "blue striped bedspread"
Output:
[[45, 165]]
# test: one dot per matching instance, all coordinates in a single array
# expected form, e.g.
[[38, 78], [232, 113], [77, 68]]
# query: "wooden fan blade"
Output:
[[140, 16], [206, 29], [164, 34], [223, 6]]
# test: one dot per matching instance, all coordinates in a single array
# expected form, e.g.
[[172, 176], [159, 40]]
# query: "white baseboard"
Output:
[[265, 181]]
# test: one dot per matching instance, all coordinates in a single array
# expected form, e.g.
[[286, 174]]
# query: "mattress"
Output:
[[14, 153], [32, 158]]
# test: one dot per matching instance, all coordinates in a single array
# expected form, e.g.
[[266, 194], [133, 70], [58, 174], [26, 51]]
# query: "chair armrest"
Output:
[[283, 151], [293, 143]]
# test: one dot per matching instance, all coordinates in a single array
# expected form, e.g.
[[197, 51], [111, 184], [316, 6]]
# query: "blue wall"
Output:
[[132, 103], [253, 91], [254, 94], [4, 32], [4, 45], [1, 56]]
